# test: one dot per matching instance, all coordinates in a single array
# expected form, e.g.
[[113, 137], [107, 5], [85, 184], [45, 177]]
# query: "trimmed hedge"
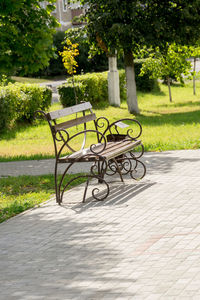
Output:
[[67, 93], [18, 102], [93, 87]]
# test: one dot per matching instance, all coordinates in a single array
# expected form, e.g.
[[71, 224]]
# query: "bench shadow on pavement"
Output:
[[119, 195]]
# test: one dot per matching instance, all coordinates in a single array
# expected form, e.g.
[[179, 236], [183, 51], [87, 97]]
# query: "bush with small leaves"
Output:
[[18, 102]]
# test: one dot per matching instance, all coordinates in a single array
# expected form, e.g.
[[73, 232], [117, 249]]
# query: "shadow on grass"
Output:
[[101, 105], [20, 127], [171, 118], [155, 92], [188, 103]]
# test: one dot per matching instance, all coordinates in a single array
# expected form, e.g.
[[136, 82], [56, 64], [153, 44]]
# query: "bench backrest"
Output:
[[83, 107], [58, 128]]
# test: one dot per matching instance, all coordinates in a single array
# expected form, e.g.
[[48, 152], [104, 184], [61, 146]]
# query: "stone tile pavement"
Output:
[[34, 167], [143, 242]]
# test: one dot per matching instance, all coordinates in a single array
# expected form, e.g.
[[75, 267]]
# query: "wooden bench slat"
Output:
[[123, 149], [75, 122], [69, 110], [114, 149]]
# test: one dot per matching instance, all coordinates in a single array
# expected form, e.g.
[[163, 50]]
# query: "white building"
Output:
[[65, 13]]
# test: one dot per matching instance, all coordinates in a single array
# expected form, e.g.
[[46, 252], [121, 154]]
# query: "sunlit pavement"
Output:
[[143, 242]]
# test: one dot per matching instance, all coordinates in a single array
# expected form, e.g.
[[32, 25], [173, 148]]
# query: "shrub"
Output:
[[143, 82], [8, 112], [67, 96], [89, 87], [96, 86], [36, 97], [20, 101], [93, 87], [47, 97]]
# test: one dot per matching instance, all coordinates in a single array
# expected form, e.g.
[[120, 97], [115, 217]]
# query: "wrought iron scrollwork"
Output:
[[99, 147], [112, 128], [94, 174], [59, 135], [127, 164]]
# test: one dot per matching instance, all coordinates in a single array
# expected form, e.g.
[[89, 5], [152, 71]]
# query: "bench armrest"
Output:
[[103, 124]]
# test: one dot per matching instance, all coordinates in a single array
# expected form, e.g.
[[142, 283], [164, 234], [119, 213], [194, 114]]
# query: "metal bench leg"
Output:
[[58, 200], [85, 191], [102, 168], [118, 169]]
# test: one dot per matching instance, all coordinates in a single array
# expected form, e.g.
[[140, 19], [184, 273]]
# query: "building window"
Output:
[[65, 4]]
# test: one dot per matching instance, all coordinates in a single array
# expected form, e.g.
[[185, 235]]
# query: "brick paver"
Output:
[[143, 242]]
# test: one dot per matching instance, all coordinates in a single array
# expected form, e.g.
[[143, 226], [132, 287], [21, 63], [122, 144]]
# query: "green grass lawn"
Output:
[[18, 194], [35, 80], [166, 126]]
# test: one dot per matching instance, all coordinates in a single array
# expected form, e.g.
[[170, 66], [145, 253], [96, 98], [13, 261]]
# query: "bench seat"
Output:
[[112, 150]]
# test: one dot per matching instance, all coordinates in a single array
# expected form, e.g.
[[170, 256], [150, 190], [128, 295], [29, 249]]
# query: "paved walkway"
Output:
[[34, 167], [143, 242]]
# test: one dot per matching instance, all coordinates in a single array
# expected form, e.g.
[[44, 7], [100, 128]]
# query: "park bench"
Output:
[[111, 151]]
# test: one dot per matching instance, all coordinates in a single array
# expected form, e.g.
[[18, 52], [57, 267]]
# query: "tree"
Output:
[[95, 61], [68, 54], [131, 24], [26, 35], [195, 53], [170, 65]]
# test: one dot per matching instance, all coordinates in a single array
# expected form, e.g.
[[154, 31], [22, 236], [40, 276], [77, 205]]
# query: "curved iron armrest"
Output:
[[93, 148], [40, 115], [103, 123]]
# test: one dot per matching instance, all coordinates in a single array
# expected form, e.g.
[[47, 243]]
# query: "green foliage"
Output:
[[129, 24], [144, 82], [98, 62], [172, 63], [96, 86], [55, 66], [68, 54], [93, 87], [26, 35], [35, 97], [67, 96], [3, 80], [87, 61], [20, 101], [8, 112]]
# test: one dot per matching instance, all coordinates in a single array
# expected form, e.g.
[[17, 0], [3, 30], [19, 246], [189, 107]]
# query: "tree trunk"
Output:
[[130, 83], [169, 88], [194, 77], [113, 82]]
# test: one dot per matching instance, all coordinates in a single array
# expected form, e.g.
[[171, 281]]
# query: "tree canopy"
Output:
[[131, 23], [26, 35], [128, 25]]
